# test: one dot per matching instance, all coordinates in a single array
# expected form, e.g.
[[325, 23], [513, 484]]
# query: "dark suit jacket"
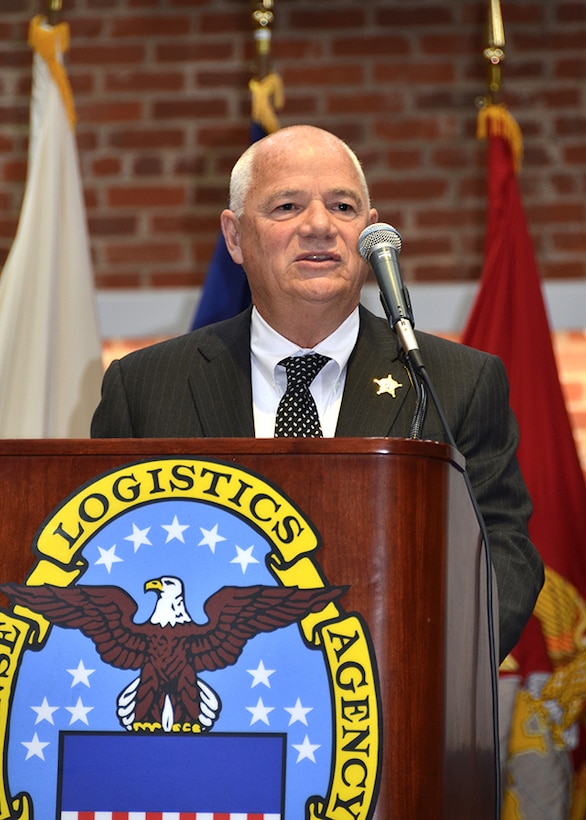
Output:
[[199, 385]]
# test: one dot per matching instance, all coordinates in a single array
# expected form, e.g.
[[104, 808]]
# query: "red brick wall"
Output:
[[162, 101]]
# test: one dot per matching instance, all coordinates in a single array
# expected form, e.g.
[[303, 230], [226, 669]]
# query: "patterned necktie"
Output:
[[297, 414]]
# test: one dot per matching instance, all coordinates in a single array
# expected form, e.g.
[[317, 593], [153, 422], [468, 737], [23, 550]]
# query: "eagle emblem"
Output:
[[170, 649]]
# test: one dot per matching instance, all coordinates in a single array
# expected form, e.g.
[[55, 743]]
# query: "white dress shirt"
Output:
[[269, 380]]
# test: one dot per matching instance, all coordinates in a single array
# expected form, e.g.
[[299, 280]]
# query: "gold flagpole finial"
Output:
[[494, 51], [263, 17]]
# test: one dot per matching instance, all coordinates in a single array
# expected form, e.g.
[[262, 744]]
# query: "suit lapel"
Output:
[[220, 380], [367, 408]]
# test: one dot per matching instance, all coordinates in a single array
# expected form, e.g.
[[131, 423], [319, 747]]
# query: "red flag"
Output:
[[509, 319]]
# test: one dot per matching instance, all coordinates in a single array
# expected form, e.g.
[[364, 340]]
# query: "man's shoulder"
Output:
[[451, 348], [210, 340], [430, 344]]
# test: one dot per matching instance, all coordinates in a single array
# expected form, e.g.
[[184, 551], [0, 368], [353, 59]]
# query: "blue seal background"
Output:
[[114, 557]]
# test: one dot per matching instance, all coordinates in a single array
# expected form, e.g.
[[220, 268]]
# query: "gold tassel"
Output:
[[267, 95], [495, 121], [45, 42]]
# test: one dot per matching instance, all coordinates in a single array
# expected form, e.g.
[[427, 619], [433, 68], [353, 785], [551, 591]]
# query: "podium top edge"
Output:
[[132, 448]]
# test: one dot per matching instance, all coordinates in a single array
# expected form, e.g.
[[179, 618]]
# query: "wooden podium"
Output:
[[397, 527]]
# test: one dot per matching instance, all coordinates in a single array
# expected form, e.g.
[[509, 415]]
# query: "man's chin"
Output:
[[324, 288]]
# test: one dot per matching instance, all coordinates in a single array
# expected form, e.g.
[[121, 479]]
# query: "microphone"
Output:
[[380, 245]]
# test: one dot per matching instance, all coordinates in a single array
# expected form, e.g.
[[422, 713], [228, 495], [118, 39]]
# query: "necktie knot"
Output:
[[297, 413], [302, 370]]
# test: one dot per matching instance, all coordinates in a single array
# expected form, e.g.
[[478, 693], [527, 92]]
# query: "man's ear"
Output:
[[230, 225]]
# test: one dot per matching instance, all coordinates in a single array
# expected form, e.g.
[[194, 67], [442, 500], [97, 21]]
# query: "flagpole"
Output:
[[226, 290], [265, 86], [263, 18], [494, 51], [54, 11]]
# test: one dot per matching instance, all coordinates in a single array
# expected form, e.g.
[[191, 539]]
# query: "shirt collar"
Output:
[[268, 347]]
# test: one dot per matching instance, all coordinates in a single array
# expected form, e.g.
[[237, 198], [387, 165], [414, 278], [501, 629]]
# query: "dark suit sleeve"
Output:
[[146, 394], [112, 416], [488, 437], [190, 386]]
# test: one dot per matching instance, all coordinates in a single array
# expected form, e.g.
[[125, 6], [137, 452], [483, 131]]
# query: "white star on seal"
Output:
[[34, 747], [298, 712], [210, 538], [44, 712], [138, 537], [81, 675], [108, 558], [260, 675], [244, 558], [175, 530], [260, 712], [387, 385], [306, 750], [79, 712]]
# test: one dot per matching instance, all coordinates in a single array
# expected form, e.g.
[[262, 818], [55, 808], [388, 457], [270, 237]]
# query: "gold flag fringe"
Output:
[[267, 95], [47, 43], [496, 121], [561, 612]]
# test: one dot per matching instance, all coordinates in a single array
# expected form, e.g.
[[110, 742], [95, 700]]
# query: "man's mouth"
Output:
[[319, 257]]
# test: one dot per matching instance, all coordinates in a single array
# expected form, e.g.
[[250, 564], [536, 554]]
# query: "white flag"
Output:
[[50, 352]]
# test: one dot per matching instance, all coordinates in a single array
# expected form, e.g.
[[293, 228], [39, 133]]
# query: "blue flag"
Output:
[[225, 292]]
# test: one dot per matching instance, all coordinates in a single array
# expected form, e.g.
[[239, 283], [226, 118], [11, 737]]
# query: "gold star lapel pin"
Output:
[[387, 385]]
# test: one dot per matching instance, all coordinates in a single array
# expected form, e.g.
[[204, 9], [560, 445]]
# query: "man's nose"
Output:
[[318, 219]]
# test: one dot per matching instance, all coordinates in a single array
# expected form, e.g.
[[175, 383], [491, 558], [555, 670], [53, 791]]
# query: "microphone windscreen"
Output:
[[378, 234]]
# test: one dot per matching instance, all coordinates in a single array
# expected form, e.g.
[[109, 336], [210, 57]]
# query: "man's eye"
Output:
[[286, 206], [343, 206]]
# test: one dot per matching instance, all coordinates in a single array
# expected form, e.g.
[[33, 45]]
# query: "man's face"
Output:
[[298, 236]]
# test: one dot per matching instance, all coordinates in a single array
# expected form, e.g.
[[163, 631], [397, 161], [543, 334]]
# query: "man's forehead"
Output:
[[294, 167], [312, 189], [274, 179], [302, 154]]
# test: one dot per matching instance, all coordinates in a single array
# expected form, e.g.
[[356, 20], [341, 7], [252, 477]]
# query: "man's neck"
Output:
[[307, 328]]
